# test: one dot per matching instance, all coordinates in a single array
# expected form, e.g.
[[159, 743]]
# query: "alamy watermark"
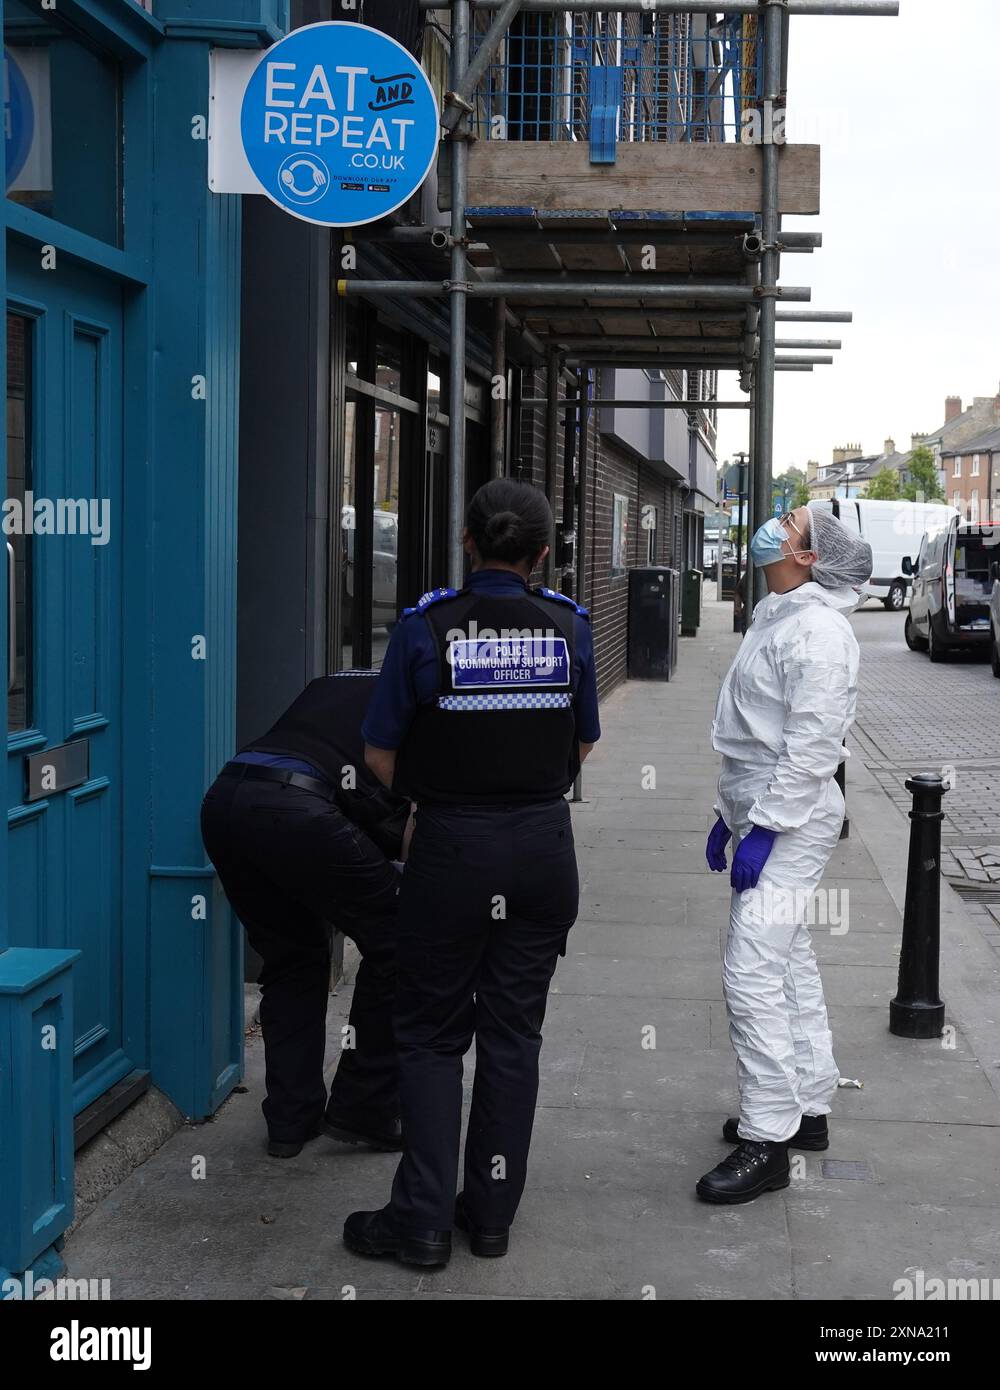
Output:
[[57, 516], [26, 1288], [917, 1286]]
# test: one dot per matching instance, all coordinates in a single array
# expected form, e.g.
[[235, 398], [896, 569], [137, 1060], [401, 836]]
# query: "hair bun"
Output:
[[503, 526], [509, 521]]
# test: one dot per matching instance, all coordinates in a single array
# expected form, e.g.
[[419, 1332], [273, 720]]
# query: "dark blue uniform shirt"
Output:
[[411, 676]]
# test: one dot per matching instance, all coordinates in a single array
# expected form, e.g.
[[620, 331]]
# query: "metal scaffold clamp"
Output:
[[456, 99]]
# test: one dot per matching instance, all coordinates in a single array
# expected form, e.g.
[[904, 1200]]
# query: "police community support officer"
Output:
[[302, 835], [490, 735]]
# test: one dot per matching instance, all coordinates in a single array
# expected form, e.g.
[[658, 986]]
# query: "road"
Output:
[[915, 717]]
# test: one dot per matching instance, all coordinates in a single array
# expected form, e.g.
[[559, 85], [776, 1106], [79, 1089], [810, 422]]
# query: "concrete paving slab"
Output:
[[601, 1021], [677, 979], [857, 1262]]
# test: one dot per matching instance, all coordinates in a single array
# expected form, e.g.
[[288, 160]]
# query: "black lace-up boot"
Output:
[[812, 1133], [751, 1168]]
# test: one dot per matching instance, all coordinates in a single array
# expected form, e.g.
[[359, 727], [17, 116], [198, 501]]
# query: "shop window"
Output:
[[62, 119], [383, 394], [435, 390], [389, 434], [388, 370], [347, 530]]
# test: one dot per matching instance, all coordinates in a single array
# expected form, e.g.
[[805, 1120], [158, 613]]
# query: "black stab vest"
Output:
[[323, 727], [502, 728]]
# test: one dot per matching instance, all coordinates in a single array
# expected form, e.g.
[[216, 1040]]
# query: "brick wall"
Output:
[[611, 470]]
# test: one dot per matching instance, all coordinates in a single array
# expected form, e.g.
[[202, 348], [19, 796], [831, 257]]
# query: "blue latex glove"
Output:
[[715, 851], [750, 857]]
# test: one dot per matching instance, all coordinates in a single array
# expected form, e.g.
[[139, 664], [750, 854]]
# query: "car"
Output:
[[950, 600], [385, 551], [995, 618], [893, 530]]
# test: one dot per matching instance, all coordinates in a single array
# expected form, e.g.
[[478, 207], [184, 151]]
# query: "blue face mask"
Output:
[[767, 542]]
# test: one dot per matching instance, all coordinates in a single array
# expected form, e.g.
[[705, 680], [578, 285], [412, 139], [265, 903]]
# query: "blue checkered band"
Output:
[[514, 699]]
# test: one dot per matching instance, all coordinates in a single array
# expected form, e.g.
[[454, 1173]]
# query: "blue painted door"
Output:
[[65, 466]]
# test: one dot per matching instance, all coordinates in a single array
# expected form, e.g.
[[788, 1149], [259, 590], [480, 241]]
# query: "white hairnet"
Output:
[[842, 558]]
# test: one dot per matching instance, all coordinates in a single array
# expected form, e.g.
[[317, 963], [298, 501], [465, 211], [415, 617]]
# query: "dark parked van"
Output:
[[950, 600]]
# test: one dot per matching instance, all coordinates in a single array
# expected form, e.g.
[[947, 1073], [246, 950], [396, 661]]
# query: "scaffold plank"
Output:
[[654, 177]]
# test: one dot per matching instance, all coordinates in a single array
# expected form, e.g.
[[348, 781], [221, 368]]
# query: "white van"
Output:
[[892, 529]]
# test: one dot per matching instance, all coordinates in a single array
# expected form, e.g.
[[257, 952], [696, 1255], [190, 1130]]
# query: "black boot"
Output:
[[812, 1133], [748, 1171], [382, 1133], [290, 1148], [375, 1233], [485, 1241]]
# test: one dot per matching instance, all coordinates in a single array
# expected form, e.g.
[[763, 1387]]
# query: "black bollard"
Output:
[[840, 777], [916, 1011]]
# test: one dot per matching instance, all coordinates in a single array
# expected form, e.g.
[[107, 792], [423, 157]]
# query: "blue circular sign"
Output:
[[19, 123], [339, 124]]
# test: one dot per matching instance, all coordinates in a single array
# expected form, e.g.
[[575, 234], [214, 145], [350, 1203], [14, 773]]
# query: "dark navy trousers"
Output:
[[487, 900], [291, 865]]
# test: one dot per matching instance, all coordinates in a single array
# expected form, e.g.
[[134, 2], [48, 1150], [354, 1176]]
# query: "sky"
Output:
[[906, 113]]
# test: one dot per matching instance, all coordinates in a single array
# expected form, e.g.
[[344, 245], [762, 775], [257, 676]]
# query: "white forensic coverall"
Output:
[[782, 714]]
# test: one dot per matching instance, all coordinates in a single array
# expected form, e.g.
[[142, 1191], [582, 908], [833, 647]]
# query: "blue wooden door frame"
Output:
[[74, 346]]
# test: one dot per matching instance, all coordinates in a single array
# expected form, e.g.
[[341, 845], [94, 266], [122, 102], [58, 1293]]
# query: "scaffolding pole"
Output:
[[770, 228], [814, 316], [498, 394], [553, 369], [623, 287], [585, 403], [685, 360], [573, 401], [458, 291], [886, 8]]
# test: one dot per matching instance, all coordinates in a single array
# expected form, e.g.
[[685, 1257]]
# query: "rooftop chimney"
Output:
[[846, 451], [952, 408], [888, 448], [916, 440]]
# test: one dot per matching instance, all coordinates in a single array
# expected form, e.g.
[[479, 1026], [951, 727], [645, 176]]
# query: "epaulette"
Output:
[[578, 608], [425, 600]]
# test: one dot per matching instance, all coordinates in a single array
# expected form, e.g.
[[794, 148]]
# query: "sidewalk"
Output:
[[637, 1077]]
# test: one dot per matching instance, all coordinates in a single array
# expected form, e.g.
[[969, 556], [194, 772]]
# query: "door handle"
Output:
[[11, 619]]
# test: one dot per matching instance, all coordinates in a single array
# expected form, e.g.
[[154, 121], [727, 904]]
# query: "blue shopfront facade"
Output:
[[120, 965]]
